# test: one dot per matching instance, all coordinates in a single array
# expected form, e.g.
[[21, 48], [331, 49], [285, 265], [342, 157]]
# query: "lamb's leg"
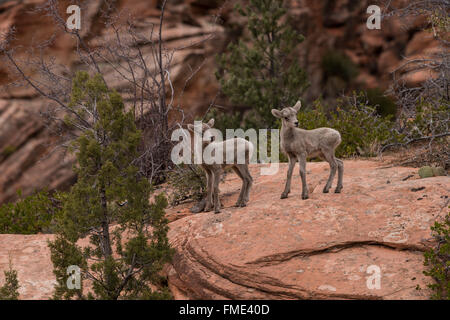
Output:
[[248, 180], [217, 173], [249, 183], [239, 201], [333, 166], [302, 162], [209, 190], [340, 175], [287, 188]]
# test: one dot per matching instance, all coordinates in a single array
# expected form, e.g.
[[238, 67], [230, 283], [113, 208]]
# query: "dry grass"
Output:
[[421, 154]]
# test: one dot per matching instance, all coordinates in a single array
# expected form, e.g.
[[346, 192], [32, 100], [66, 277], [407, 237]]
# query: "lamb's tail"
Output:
[[338, 138]]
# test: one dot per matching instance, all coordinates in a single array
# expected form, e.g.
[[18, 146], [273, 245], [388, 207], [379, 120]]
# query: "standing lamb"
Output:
[[298, 144], [232, 147]]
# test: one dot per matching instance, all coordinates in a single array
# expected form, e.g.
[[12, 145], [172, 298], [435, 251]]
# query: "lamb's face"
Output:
[[288, 115]]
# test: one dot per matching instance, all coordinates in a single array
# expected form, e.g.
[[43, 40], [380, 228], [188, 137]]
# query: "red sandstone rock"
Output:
[[388, 60], [30, 256], [423, 42], [318, 248]]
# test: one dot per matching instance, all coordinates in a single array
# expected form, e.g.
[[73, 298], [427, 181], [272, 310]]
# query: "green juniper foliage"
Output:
[[9, 291], [363, 131], [384, 104], [438, 261], [28, 215], [260, 73], [337, 64], [109, 205]]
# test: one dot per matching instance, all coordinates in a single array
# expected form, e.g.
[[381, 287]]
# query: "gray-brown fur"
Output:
[[299, 144], [214, 172]]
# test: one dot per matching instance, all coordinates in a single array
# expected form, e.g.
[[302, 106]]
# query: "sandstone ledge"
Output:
[[318, 248]]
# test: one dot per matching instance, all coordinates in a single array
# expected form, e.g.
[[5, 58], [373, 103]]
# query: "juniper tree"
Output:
[[260, 72], [10, 289], [109, 205]]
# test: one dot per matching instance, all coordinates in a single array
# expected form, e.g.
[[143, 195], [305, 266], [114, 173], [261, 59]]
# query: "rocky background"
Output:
[[28, 160]]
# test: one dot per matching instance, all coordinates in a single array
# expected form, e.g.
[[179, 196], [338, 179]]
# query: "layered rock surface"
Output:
[[320, 248], [314, 249]]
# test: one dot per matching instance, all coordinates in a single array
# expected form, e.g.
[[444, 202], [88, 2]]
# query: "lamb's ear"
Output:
[[190, 127], [277, 113], [297, 106], [211, 123]]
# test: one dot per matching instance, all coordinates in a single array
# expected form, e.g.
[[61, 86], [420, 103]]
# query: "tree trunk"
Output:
[[106, 241]]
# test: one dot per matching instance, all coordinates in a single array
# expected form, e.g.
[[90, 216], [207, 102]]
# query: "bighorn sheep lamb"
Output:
[[298, 144], [214, 171]]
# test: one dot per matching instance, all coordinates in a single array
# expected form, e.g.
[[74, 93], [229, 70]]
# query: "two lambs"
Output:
[[296, 143], [233, 150]]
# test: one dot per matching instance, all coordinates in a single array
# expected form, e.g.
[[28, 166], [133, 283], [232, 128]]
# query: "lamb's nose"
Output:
[[296, 123]]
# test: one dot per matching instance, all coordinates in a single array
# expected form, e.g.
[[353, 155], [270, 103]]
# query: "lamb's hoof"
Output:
[[283, 196], [338, 190], [326, 190], [216, 211], [305, 196]]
